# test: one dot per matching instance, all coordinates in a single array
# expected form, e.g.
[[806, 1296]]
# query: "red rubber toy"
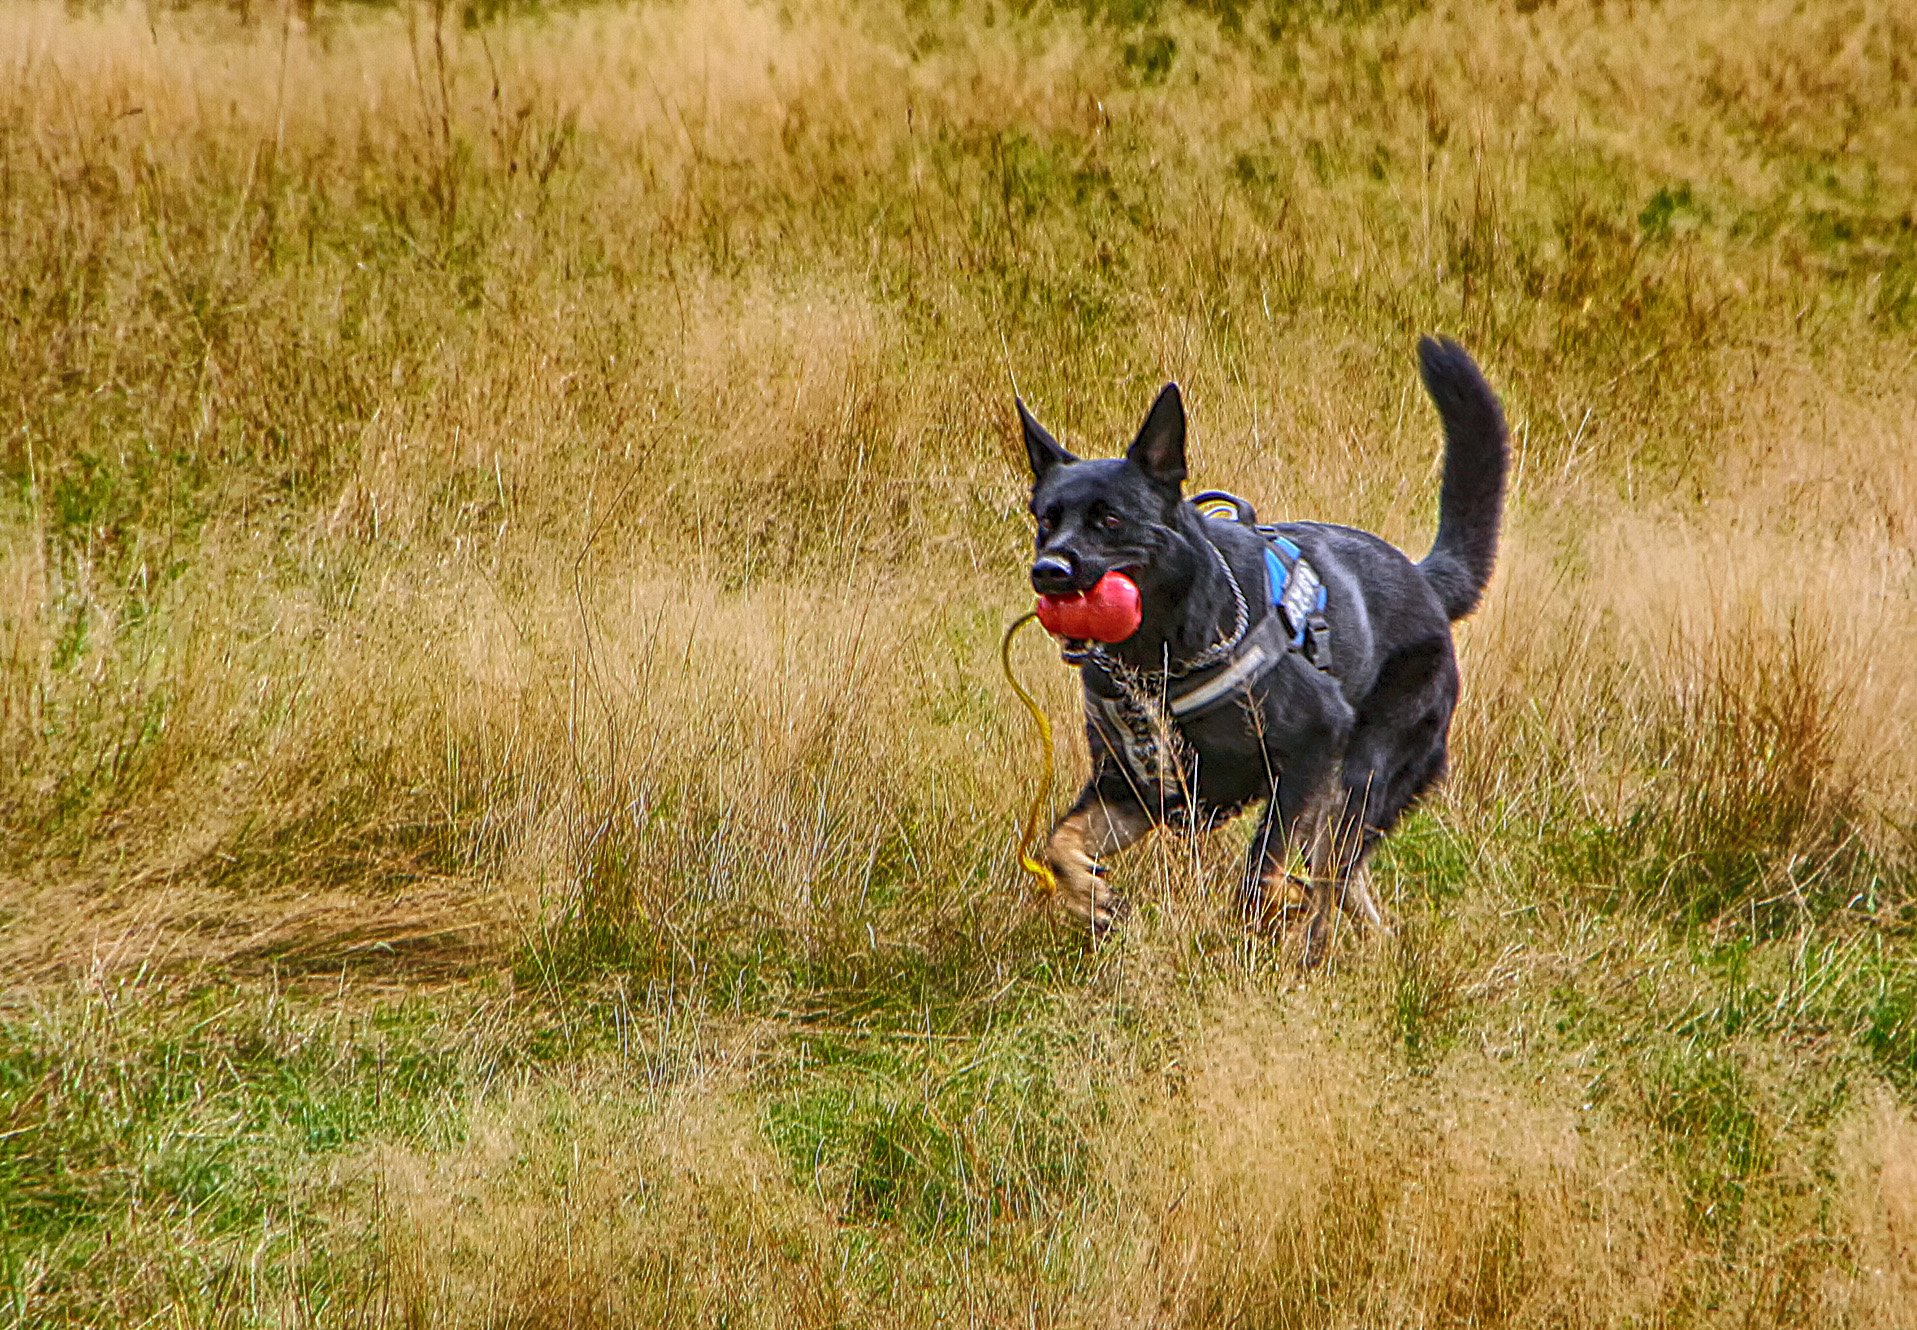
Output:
[[1109, 612]]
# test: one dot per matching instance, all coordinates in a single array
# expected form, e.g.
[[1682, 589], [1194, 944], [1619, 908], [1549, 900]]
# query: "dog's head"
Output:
[[1108, 513]]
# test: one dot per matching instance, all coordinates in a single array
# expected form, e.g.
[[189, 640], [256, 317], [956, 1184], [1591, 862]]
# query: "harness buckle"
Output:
[[1318, 641]]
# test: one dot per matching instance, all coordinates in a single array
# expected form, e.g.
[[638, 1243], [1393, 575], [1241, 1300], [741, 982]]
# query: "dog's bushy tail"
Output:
[[1476, 456]]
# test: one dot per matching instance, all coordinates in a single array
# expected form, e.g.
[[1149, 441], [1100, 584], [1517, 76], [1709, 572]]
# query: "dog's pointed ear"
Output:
[[1159, 449], [1044, 451]]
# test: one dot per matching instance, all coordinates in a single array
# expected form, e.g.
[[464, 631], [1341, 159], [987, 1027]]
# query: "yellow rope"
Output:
[[1041, 871]]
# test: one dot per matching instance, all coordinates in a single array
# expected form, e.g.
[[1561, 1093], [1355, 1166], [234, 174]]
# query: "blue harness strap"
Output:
[[1296, 590]]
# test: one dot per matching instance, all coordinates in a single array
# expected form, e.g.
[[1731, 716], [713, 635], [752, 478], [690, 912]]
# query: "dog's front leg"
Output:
[[1340, 881], [1267, 892], [1101, 822]]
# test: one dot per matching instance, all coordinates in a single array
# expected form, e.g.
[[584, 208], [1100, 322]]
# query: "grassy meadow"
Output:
[[506, 795]]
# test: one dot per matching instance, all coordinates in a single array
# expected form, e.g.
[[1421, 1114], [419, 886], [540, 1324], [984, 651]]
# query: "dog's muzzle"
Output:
[[1055, 575]]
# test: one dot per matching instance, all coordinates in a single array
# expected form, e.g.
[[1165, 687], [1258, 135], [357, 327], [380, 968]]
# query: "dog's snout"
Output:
[[1054, 575]]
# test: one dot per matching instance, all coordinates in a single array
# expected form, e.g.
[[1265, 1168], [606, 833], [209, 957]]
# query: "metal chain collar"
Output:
[[1153, 748], [1215, 654]]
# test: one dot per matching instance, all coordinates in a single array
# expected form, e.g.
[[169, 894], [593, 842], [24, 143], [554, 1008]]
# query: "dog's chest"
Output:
[[1212, 764]]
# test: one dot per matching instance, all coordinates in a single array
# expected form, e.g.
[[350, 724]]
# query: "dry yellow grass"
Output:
[[506, 525], [1269, 1181]]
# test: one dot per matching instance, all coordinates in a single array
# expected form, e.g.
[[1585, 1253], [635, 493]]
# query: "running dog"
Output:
[[1304, 665]]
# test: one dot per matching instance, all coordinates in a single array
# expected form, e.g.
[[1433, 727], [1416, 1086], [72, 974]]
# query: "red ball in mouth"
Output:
[[1109, 612]]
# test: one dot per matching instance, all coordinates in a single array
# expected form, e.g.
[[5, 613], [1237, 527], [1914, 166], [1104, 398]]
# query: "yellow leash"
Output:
[[1041, 871]]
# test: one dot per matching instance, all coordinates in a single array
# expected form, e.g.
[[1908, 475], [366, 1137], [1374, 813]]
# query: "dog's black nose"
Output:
[[1054, 575]]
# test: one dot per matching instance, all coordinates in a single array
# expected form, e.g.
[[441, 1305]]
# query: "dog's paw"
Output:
[[1087, 905], [1324, 923], [1273, 906]]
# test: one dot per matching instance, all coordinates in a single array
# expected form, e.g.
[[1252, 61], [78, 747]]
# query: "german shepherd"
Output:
[[1338, 734]]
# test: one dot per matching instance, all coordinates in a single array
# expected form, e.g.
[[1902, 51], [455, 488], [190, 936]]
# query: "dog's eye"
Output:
[[1111, 522]]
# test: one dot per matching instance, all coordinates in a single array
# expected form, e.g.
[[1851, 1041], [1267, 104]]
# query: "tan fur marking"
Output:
[[1076, 846]]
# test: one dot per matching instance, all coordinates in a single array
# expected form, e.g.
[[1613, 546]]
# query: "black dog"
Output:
[[1307, 665]]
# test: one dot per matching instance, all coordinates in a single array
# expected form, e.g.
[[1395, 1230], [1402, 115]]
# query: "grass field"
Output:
[[506, 798]]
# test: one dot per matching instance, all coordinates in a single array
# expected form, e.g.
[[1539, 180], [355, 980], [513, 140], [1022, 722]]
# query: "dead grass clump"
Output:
[[1694, 728], [590, 1207], [722, 816], [1308, 1184], [1754, 802], [1878, 1169]]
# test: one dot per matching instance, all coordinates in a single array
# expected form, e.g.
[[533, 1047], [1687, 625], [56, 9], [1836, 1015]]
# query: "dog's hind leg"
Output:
[[1396, 753], [1358, 898], [1098, 824], [1334, 849], [1361, 835]]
